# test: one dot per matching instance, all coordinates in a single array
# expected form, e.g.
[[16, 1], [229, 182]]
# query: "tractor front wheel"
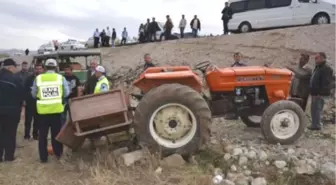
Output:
[[283, 122], [172, 118]]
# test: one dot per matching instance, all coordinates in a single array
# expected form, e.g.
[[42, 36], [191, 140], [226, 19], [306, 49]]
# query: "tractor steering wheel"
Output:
[[203, 66]]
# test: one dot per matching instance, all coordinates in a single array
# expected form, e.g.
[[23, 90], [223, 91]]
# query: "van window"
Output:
[[238, 6], [277, 3], [256, 4]]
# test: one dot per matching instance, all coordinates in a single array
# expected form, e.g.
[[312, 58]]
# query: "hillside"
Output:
[[235, 152], [277, 47]]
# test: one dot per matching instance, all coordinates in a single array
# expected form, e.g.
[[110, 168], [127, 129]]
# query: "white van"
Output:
[[259, 14]]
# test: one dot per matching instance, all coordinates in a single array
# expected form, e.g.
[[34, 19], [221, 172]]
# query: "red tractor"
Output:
[[175, 111]]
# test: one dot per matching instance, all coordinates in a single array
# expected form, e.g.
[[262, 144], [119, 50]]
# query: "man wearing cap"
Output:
[[50, 89], [102, 83], [11, 98]]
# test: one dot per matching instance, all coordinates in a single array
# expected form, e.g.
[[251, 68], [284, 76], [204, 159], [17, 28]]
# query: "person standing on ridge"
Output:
[[182, 25], [227, 13]]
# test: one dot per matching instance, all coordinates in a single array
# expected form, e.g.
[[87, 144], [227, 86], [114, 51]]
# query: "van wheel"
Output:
[[245, 27], [321, 18]]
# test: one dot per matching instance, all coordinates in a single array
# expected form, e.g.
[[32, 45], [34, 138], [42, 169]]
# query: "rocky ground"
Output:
[[236, 155]]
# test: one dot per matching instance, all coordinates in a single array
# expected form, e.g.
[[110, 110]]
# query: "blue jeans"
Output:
[[317, 104], [194, 31]]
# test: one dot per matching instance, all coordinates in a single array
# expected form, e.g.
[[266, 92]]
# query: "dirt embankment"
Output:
[[277, 47]]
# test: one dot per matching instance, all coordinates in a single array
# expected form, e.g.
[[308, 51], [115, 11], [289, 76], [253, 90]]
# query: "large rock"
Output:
[[174, 160], [132, 157], [329, 169], [306, 167], [280, 164], [259, 181], [263, 155]]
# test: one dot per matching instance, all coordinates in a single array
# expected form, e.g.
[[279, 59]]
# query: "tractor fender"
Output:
[[148, 81]]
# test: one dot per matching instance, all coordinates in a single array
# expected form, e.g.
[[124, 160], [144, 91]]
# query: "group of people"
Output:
[[148, 31], [45, 95], [316, 83], [104, 37]]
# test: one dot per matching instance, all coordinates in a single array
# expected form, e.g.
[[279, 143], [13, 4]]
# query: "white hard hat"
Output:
[[100, 69], [51, 62]]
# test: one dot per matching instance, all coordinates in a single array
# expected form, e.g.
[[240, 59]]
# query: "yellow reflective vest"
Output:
[[103, 82], [49, 93]]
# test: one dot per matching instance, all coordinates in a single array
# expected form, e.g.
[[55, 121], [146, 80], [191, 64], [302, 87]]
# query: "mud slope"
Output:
[[277, 47]]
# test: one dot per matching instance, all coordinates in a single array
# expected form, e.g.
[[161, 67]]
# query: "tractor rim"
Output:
[[285, 124], [173, 125]]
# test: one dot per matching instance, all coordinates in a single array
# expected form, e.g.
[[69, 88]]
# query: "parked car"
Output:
[[90, 43], [260, 14], [72, 45], [49, 47]]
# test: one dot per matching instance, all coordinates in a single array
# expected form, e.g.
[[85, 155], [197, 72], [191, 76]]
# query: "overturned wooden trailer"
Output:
[[93, 116]]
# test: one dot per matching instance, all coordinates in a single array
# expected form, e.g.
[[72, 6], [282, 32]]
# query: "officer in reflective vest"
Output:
[[103, 84], [50, 89]]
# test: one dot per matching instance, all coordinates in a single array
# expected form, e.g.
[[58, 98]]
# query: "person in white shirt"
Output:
[[96, 36], [182, 25], [108, 36], [124, 36], [195, 25]]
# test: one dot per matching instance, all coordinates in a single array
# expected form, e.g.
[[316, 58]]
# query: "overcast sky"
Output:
[[31, 23]]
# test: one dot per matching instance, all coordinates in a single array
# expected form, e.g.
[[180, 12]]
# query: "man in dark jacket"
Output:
[[92, 80], [148, 61], [114, 36], [226, 16], [300, 83], [154, 27], [11, 99], [320, 86], [24, 73], [147, 30], [103, 37], [168, 27], [195, 25], [30, 110]]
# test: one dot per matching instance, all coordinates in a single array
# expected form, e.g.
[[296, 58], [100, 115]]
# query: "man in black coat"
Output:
[[92, 80], [320, 87], [226, 16], [30, 110], [300, 83], [153, 27], [11, 99]]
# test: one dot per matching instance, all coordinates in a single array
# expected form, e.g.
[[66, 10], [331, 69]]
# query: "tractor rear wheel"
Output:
[[283, 122], [172, 118]]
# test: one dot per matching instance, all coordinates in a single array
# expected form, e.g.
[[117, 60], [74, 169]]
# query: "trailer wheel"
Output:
[[251, 121], [283, 122], [172, 118]]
